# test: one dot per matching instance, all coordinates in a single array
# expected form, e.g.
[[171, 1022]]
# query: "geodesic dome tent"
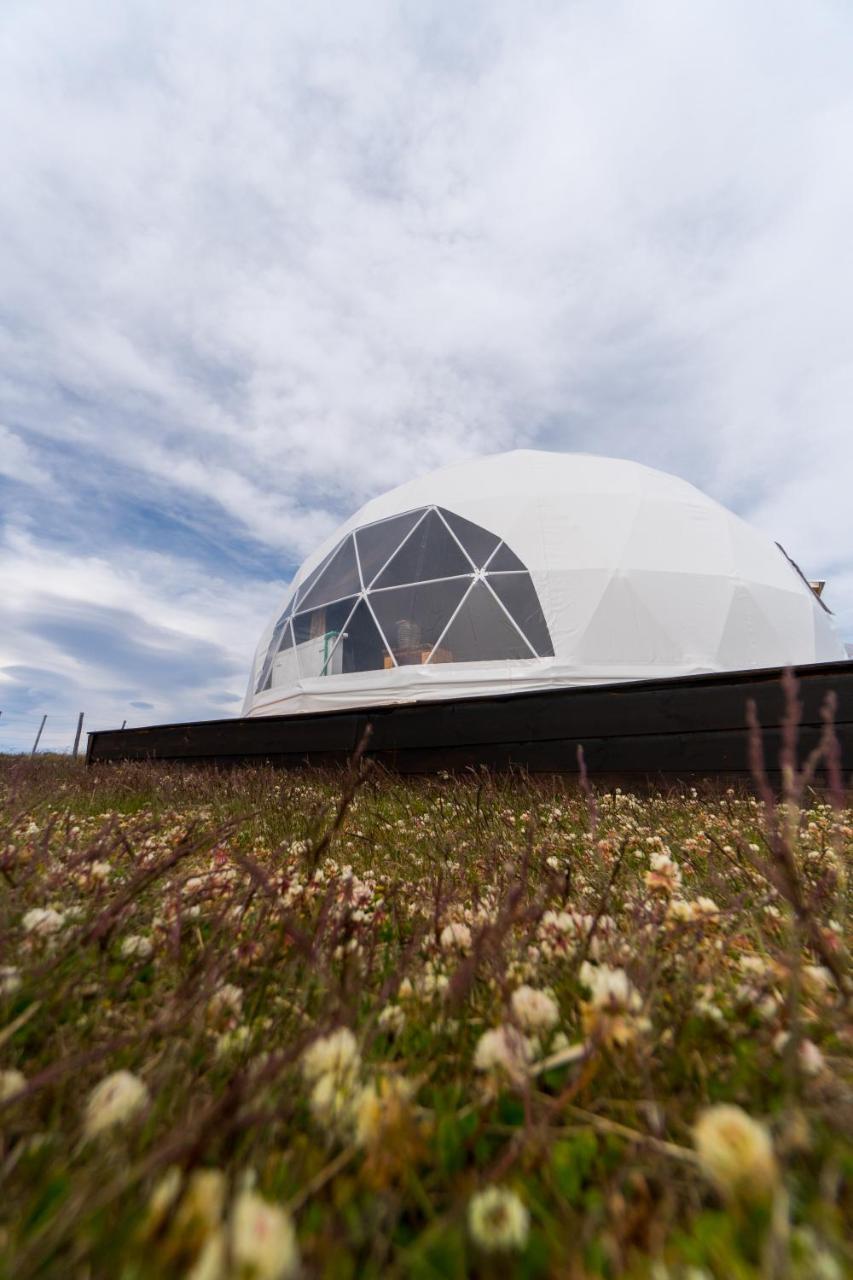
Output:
[[529, 569]]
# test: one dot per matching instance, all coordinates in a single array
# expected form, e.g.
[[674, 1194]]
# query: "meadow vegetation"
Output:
[[266, 1024]]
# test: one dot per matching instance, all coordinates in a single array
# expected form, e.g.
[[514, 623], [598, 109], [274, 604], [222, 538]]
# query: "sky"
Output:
[[260, 262]]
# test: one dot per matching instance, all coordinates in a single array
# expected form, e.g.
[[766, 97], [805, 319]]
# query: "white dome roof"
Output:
[[529, 569]]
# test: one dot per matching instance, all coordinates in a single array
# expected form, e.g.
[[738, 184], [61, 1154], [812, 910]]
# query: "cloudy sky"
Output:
[[259, 262]]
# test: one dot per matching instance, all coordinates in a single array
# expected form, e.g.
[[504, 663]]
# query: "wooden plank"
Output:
[[544, 725]]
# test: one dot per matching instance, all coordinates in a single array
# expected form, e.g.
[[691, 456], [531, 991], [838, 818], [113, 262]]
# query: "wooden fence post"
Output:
[[38, 735], [77, 734]]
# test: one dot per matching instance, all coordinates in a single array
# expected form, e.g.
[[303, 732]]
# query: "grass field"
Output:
[[256, 1024]]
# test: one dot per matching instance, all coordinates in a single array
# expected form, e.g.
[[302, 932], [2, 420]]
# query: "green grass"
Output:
[[277, 908]]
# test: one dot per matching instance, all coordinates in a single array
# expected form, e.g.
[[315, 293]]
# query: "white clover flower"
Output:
[[44, 922], [498, 1219], [665, 874], [809, 1056], [137, 947], [114, 1101], [456, 937], [336, 1054], [232, 1041], [612, 1014], [10, 980], [735, 1152], [227, 1000], [12, 1083], [503, 1049], [392, 1019], [535, 1011], [263, 1239], [332, 1099]]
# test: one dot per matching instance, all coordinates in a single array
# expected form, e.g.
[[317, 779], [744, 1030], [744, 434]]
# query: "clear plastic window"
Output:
[[413, 618], [430, 551], [403, 592], [481, 631], [518, 594], [478, 543], [377, 543], [339, 578]]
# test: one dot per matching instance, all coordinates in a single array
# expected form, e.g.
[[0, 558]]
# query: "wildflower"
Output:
[[232, 1041], [456, 937], [332, 1099], [10, 980], [392, 1019], [380, 1108], [161, 1200], [665, 873], [503, 1049], [535, 1011], [99, 870], [809, 1056], [43, 921], [263, 1241], [201, 1206], [136, 947], [226, 1000], [498, 1220], [736, 1153], [336, 1054], [114, 1101], [11, 1084], [612, 1014]]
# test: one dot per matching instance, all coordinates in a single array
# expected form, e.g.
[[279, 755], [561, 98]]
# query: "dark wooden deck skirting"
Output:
[[677, 728]]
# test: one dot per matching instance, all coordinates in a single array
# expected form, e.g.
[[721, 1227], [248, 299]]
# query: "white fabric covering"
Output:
[[638, 575]]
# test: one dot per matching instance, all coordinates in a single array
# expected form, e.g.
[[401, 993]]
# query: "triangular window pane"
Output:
[[378, 542], [339, 578], [517, 592], [361, 647], [504, 559], [481, 632], [412, 618], [479, 543], [316, 635], [304, 587], [430, 552]]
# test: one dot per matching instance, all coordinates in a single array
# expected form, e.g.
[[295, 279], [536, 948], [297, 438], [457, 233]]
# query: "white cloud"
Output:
[[282, 257]]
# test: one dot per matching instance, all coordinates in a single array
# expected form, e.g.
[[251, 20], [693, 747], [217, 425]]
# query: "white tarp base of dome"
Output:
[[532, 570]]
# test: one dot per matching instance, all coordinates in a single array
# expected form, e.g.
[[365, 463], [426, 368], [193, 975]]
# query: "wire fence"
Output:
[[25, 732]]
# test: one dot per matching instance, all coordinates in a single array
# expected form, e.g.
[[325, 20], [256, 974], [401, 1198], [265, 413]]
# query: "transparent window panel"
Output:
[[283, 667], [338, 579], [412, 618], [504, 560], [361, 647], [517, 592], [479, 543], [316, 634], [305, 587], [282, 638], [378, 542], [481, 632], [430, 552]]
